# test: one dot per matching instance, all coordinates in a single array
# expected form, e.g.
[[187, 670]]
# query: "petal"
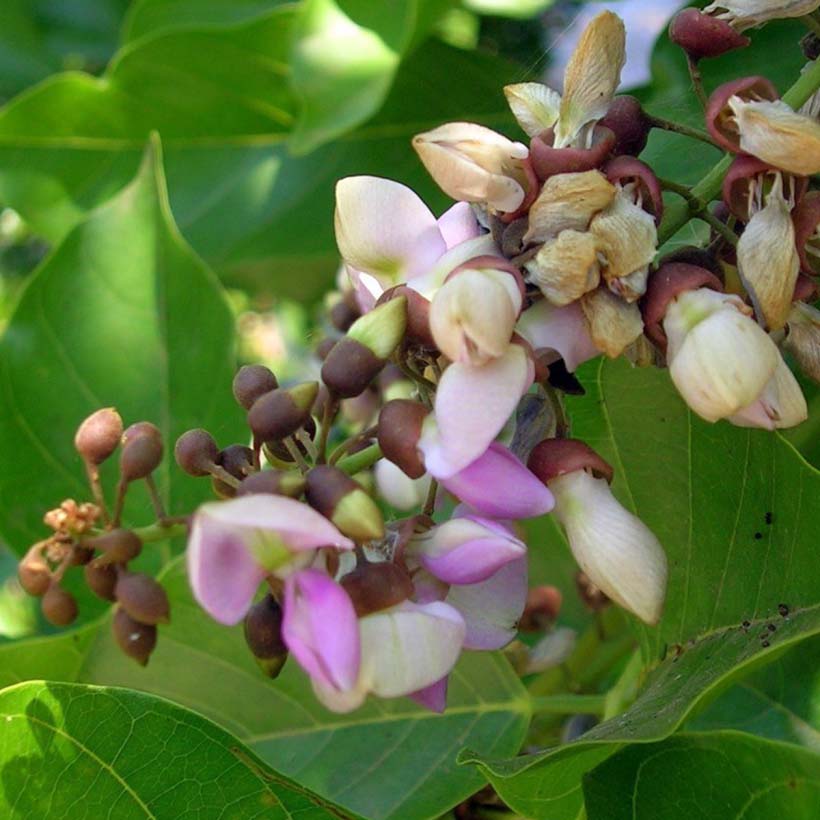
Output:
[[565, 268], [432, 697], [320, 628], [458, 224], [780, 405], [223, 574], [499, 485], [409, 647], [430, 282], [491, 609], [384, 229], [613, 323], [534, 105], [397, 488], [472, 406], [367, 288], [562, 329]]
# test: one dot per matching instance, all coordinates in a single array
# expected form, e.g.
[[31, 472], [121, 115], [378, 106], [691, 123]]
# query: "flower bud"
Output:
[[33, 572], [400, 424], [803, 338], [701, 35], [381, 330], [117, 547], [719, 358], [263, 634], [376, 586], [142, 598], [626, 119], [474, 164], [342, 314], [418, 315], [274, 482], [252, 381], [135, 639], [98, 436], [196, 452], [141, 452], [280, 413], [101, 580], [59, 606], [344, 503]]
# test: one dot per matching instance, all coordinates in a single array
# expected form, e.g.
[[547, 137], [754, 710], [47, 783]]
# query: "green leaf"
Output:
[[68, 750], [703, 776], [390, 759], [735, 510], [117, 315]]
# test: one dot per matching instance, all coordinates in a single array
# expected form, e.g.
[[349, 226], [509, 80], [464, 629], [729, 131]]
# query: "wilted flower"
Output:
[[803, 338], [475, 164], [613, 323], [743, 14], [567, 267]]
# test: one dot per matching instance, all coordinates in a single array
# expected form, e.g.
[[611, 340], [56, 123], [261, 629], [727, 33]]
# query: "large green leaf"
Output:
[[388, 759], [704, 776], [122, 313], [736, 511], [84, 751]]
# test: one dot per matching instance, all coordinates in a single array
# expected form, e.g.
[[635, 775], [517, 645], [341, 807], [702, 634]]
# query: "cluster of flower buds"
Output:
[[87, 535]]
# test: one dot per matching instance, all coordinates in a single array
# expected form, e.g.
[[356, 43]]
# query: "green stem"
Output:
[[160, 531], [680, 128], [678, 214], [568, 704], [430, 503], [361, 460]]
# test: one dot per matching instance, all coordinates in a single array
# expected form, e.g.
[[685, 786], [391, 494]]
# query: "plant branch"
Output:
[[680, 128], [697, 80], [361, 460]]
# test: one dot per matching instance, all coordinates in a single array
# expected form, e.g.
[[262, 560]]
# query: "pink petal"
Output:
[[320, 628], [562, 329], [472, 406], [223, 574], [458, 224], [383, 228], [499, 485], [491, 609], [432, 697], [367, 288]]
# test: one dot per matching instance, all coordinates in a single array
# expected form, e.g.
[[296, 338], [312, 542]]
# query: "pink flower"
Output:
[[235, 544], [320, 629]]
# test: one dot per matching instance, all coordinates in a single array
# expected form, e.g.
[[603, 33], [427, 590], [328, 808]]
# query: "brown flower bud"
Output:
[[101, 580], [626, 119], [59, 606], [141, 451], [418, 315], [252, 381], [349, 368], [559, 456], [117, 547], [377, 586], [282, 412], [237, 459], [542, 608], [324, 347], [33, 572], [135, 639], [400, 423], [342, 315], [98, 436], [196, 452], [701, 35], [340, 499], [142, 598], [274, 482], [263, 634]]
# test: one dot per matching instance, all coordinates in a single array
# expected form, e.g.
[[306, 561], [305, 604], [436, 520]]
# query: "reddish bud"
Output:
[[33, 572], [273, 482], [142, 598], [117, 546], [626, 119], [135, 639], [701, 35], [400, 423], [59, 606], [377, 586], [196, 452], [101, 580], [252, 381], [559, 456], [263, 634], [342, 501], [342, 315], [98, 436], [349, 368], [141, 450], [282, 412], [418, 315]]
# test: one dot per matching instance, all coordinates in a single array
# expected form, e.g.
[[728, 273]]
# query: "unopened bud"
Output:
[[196, 452], [342, 315], [418, 330], [274, 482], [381, 330], [236, 459], [59, 606], [282, 412], [541, 610], [263, 634], [626, 119], [33, 572], [141, 451], [252, 381], [376, 586], [349, 368], [135, 639], [400, 423], [98, 436], [101, 580], [340, 499], [117, 547], [701, 35], [142, 598]]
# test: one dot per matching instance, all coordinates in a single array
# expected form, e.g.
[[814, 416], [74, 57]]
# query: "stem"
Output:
[[697, 80], [119, 503], [568, 704], [160, 531], [295, 453], [224, 476], [156, 500], [327, 420], [561, 418], [308, 444], [96, 488], [430, 502], [678, 214], [680, 128], [719, 227], [361, 460], [368, 432], [700, 210]]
